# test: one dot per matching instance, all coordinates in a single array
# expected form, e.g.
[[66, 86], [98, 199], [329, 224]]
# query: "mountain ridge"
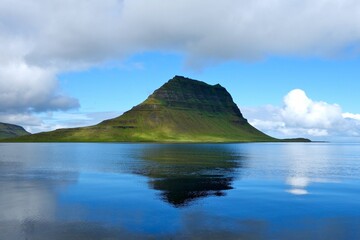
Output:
[[8, 130], [181, 110]]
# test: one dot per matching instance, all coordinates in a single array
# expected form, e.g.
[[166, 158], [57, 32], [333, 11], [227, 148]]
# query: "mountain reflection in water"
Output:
[[140, 191], [185, 173]]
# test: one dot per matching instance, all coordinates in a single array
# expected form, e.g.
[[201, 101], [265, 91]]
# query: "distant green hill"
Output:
[[11, 130], [182, 110]]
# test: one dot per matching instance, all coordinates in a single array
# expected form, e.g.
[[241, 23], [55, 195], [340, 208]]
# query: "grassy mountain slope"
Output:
[[11, 130], [182, 110]]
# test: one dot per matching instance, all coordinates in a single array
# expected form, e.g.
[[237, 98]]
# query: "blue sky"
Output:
[[118, 87], [293, 67]]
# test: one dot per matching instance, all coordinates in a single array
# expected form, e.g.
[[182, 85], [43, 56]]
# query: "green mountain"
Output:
[[11, 130], [182, 110]]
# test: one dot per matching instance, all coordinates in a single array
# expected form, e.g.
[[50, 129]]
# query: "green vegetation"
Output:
[[10, 131], [182, 110]]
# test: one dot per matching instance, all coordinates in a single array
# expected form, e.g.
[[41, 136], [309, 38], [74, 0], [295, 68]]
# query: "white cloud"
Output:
[[317, 132], [56, 120], [74, 33], [241, 29], [22, 119], [301, 116], [26, 88], [351, 116], [40, 39], [301, 111]]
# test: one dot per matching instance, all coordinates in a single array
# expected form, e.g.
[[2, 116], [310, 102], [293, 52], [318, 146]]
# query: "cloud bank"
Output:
[[64, 32], [302, 116], [40, 39]]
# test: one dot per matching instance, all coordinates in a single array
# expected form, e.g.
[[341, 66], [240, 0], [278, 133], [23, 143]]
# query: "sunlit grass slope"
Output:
[[182, 110]]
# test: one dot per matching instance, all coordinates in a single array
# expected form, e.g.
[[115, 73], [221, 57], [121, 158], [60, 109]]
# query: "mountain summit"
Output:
[[187, 94], [182, 110]]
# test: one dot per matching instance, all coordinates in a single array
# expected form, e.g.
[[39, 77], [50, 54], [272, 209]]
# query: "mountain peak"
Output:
[[181, 110], [185, 93], [185, 80]]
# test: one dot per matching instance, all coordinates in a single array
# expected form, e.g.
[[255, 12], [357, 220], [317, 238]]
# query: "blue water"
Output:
[[179, 191]]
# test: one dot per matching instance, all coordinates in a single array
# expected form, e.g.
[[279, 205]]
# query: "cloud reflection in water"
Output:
[[304, 169]]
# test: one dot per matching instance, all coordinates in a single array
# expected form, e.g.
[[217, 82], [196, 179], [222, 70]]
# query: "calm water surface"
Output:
[[161, 191]]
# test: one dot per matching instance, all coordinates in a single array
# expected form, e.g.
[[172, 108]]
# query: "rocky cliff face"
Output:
[[182, 93], [185, 93]]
